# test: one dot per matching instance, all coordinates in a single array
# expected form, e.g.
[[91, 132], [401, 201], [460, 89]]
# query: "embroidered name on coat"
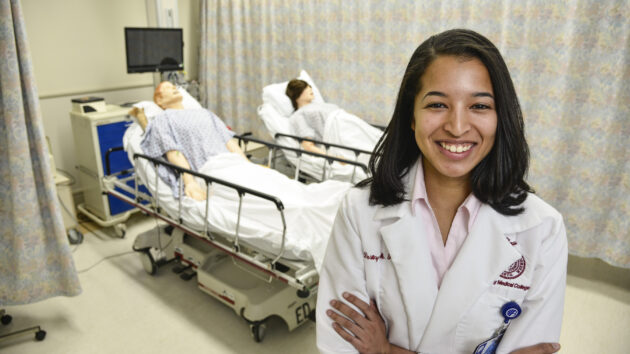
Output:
[[516, 269], [373, 257]]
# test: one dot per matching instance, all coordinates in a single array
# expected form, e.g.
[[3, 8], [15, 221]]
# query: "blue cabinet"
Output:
[[95, 133], [110, 136]]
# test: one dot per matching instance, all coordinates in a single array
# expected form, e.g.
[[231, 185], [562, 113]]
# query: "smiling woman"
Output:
[[447, 213], [455, 124], [454, 117]]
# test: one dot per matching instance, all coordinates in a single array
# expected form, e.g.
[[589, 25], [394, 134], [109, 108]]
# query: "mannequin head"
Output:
[[300, 93], [167, 96]]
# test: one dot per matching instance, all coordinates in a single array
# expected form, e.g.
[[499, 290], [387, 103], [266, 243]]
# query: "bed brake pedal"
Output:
[[188, 275], [180, 268]]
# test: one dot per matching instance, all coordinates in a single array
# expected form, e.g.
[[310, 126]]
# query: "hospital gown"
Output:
[[310, 120], [197, 133]]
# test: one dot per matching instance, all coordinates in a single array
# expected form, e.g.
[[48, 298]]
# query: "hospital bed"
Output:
[[308, 167], [251, 250], [343, 128]]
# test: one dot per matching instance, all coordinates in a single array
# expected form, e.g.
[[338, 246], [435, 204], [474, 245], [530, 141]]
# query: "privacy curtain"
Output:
[[35, 260], [569, 60]]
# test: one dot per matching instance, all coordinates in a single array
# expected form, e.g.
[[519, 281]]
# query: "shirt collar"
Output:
[[419, 188], [471, 204]]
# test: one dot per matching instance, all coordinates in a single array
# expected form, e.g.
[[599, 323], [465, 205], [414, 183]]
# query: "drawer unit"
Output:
[[95, 133]]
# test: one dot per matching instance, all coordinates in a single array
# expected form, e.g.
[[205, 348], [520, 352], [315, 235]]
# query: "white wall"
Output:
[[189, 20], [77, 48]]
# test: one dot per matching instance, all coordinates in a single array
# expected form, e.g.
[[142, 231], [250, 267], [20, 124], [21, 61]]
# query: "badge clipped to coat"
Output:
[[510, 311]]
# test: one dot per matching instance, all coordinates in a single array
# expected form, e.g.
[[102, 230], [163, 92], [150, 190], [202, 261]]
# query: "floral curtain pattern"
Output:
[[570, 62], [35, 259]]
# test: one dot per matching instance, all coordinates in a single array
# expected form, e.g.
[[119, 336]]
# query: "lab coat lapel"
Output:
[[411, 260], [485, 254]]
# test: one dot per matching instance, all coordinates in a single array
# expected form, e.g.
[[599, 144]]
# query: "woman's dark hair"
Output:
[[498, 179], [294, 90]]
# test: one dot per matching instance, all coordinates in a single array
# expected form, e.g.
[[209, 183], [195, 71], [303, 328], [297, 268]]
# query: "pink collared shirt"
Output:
[[442, 255]]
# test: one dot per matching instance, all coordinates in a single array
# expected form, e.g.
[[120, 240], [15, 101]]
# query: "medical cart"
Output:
[[96, 133]]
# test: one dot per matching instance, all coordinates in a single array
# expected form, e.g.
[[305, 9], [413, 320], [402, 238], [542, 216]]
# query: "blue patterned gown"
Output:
[[197, 133]]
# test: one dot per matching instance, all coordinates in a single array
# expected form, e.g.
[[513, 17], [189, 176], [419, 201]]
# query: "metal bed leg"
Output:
[[205, 218], [297, 168], [354, 169], [238, 220]]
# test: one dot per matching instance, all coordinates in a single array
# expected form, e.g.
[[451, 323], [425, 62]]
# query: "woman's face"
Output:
[[455, 119], [306, 97]]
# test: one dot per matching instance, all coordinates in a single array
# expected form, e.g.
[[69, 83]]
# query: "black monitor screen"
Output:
[[154, 49]]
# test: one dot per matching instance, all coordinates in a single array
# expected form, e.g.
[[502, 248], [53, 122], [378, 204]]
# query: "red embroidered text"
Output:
[[373, 257], [511, 285]]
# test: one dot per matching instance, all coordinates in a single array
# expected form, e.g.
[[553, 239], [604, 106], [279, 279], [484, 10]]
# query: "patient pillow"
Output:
[[151, 109], [274, 121], [275, 95], [188, 101]]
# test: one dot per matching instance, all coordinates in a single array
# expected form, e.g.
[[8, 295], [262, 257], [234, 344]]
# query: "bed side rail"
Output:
[[210, 179], [327, 145], [299, 275], [241, 191], [108, 168], [305, 276], [273, 148]]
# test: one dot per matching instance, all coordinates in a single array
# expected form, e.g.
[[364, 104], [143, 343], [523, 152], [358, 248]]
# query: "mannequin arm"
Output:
[[191, 188], [138, 113], [232, 146], [310, 147]]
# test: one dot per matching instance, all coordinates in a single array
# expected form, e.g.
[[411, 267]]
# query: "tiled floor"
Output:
[[124, 310]]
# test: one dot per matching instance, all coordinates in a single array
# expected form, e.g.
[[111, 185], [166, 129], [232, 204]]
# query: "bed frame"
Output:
[[254, 283], [326, 146]]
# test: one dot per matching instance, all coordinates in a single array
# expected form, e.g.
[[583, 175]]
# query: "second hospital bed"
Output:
[[255, 244], [345, 134]]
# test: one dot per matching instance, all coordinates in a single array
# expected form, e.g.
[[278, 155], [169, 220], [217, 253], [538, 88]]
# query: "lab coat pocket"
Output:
[[390, 303], [484, 318]]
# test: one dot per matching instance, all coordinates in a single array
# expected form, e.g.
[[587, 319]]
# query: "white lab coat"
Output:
[[381, 253]]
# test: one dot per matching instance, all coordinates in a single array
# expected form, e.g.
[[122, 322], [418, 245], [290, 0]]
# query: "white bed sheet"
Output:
[[346, 129], [309, 209], [309, 164], [341, 128]]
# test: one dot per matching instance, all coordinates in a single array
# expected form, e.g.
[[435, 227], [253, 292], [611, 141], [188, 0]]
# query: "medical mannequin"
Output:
[[167, 96], [301, 94], [308, 124], [446, 249]]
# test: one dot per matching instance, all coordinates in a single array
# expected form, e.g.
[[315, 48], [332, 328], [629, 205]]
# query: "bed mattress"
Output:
[[309, 209]]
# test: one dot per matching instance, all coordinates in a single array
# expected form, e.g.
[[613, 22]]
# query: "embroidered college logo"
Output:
[[516, 269]]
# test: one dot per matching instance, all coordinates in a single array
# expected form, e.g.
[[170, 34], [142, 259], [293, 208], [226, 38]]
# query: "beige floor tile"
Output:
[[124, 310]]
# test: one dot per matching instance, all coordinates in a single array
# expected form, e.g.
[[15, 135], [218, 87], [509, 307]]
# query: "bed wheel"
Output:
[[258, 331], [40, 335], [120, 230], [6, 319], [75, 237], [148, 263], [303, 293]]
